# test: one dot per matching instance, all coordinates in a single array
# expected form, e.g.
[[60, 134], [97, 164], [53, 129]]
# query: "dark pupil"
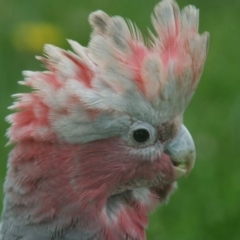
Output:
[[141, 135]]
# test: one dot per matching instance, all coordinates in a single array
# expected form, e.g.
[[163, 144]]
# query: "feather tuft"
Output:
[[119, 73]]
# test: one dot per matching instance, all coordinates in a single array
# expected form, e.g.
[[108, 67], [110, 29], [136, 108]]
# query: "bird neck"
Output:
[[67, 188]]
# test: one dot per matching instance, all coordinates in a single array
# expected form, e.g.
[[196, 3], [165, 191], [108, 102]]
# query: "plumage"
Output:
[[100, 142]]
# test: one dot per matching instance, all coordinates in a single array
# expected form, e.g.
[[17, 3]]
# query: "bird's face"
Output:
[[159, 155], [137, 155]]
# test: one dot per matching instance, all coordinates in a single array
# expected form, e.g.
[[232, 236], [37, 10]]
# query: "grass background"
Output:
[[207, 205]]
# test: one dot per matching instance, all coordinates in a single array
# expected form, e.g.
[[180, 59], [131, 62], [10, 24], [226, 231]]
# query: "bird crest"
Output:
[[118, 72]]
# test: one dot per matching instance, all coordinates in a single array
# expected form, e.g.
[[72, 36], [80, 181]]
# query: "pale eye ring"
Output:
[[142, 134]]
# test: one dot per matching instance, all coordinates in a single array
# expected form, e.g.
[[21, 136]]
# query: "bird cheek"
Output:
[[156, 168], [162, 170]]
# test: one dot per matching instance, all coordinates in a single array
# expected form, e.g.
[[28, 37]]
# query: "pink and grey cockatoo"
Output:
[[100, 141]]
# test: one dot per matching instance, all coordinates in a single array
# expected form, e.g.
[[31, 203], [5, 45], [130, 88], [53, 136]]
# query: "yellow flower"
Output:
[[31, 36]]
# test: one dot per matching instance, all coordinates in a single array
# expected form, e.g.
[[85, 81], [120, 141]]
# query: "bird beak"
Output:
[[182, 153]]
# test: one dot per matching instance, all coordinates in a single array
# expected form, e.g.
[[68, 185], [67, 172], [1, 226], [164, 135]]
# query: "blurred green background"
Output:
[[207, 204]]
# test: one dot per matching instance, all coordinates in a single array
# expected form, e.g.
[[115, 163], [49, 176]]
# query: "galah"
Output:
[[100, 140]]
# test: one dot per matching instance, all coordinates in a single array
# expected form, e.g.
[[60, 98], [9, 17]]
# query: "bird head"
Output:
[[101, 137]]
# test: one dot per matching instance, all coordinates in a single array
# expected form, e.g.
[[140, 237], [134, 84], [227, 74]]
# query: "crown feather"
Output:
[[118, 73], [166, 20]]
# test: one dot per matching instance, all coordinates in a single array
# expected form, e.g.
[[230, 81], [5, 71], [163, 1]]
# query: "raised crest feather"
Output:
[[118, 70]]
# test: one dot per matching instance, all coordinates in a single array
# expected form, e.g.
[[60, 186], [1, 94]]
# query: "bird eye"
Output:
[[141, 135]]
